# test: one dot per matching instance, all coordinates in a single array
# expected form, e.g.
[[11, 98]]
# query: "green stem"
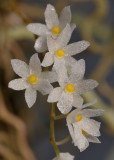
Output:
[[52, 135]]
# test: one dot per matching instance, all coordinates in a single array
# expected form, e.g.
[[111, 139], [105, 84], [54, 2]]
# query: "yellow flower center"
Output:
[[83, 132], [56, 30], [33, 79], [60, 53], [79, 118], [70, 88]]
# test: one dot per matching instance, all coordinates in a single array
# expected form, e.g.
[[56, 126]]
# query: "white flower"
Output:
[[83, 129], [32, 79], [59, 52], [54, 26], [71, 87], [65, 156]]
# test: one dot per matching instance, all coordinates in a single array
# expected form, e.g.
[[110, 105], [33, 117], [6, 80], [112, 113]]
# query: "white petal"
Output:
[[90, 126], [64, 37], [50, 76], [76, 47], [65, 16], [92, 112], [86, 85], [73, 26], [77, 101], [41, 44], [92, 139], [69, 62], [44, 87], [64, 156], [62, 74], [72, 116], [59, 64], [51, 16], [80, 140], [30, 96], [37, 28], [89, 104], [48, 60], [65, 103], [55, 94], [18, 84], [77, 71], [20, 68], [69, 121], [51, 43], [34, 64]]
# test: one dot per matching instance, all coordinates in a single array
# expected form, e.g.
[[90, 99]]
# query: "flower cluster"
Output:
[[68, 72]]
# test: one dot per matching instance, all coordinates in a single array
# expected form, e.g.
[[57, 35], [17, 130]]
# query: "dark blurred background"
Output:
[[24, 132]]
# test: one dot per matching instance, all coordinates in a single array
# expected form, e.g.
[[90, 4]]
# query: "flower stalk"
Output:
[[61, 116], [52, 135], [65, 140]]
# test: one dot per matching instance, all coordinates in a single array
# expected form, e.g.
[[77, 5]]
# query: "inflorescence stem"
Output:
[[52, 136]]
